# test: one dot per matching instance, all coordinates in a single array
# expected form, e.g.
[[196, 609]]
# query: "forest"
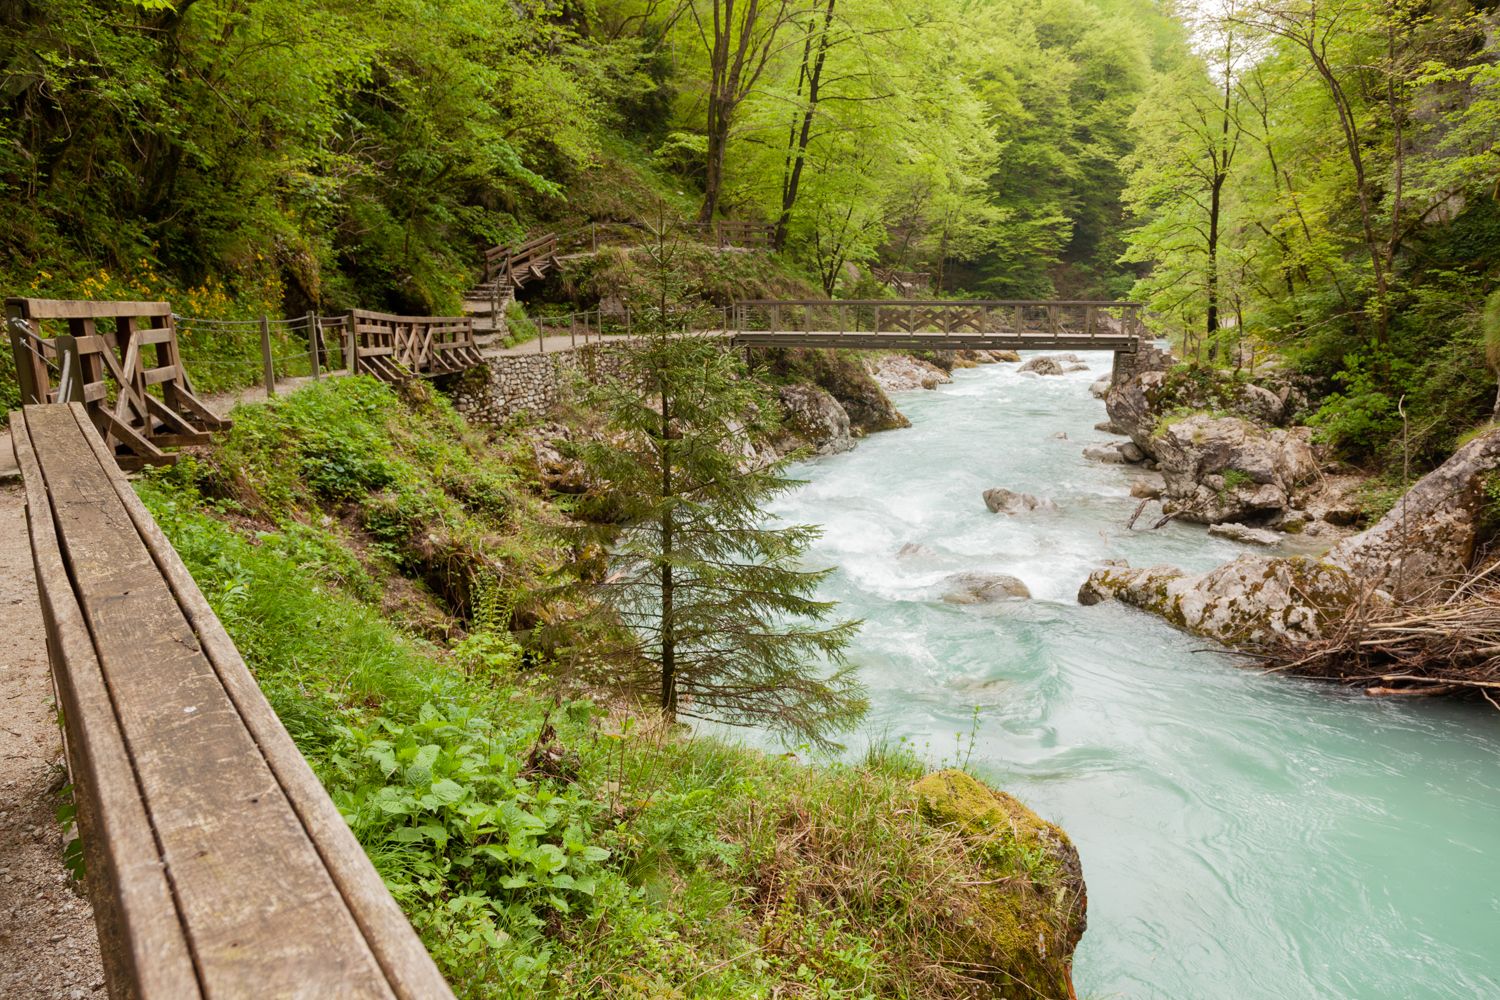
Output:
[[1315, 179]]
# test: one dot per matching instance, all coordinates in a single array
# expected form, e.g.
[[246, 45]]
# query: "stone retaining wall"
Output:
[[509, 384]]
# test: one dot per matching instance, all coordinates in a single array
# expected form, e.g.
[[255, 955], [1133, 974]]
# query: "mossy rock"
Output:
[[1032, 911]]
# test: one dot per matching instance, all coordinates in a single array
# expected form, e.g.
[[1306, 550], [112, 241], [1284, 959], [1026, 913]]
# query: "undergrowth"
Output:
[[545, 843]]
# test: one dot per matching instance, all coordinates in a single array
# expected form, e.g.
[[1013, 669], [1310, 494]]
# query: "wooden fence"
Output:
[[121, 360]]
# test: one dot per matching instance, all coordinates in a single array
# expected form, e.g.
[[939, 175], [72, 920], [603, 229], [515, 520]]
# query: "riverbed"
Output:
[[1243, 836]]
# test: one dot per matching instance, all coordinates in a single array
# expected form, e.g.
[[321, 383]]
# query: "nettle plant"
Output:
[[449, 814]]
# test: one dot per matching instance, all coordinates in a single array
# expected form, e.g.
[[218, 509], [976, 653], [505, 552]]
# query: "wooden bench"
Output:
[[217, 864]]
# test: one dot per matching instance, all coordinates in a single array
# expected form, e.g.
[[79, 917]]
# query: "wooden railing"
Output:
[[926, 322], [904, 282], [733, 234], [121, 360], [217, 864], [394, 348], [527, 262]]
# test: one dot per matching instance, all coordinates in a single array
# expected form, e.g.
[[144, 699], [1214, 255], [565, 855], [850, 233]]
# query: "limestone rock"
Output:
[[1108, 427], [1002, 355], [1003, 501], [1427, 540], [1249, 600], [1108, 454], [1227, 469], [1131, 452], [1100, 389], [903, 373], [1150, 486], [982, 588], [812, 416], [1246, 534], [1031, 914], [1053, 364]]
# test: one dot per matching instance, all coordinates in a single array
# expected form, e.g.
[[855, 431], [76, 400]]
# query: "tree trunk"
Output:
[[668, 620], [812, 72]]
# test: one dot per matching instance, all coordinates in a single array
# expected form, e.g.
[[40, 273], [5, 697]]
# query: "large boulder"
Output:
[[983, 588], [1427, 541], [903, 373], [1248, 601], [1053, 364], [1227, 469], [1155, 386], [812, 418], [1003, 501], [1033, 906]]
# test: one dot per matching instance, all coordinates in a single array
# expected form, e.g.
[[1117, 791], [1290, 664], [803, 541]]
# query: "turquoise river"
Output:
[[1244, 836]]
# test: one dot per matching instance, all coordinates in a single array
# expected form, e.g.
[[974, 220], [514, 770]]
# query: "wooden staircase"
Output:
[[485, 304]]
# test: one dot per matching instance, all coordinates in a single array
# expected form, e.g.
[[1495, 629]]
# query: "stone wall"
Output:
[[509, 384]]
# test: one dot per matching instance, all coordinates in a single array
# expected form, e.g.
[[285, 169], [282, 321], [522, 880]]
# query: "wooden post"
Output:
[[315, 338], [265, 355], [1088, 321], [775, 318], [31, 370], [350, 354], [573, 331]]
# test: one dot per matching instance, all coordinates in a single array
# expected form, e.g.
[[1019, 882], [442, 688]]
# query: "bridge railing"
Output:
[[1080, 319], [396, 347]]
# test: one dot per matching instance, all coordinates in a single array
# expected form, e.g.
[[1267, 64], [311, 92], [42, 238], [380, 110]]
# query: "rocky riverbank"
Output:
[[1230, 455]]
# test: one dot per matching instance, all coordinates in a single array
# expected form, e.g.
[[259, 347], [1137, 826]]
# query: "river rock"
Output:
[[1019, 936], [915, 550], [1427, 541], [1246, 534], [1150, 486], [903, 373], [1131, 452], [811, 416], [1227, 469], [1006, 356], [1108, 454], [1044, 365], [1108, 427], [982, 588], [1250, 600], [1099, 389], [1003, 501]]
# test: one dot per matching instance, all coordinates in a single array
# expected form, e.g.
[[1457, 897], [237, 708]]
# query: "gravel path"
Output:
[[48, 946]]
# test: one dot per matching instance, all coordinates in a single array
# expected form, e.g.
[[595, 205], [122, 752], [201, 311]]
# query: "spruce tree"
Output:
[[718, 618]]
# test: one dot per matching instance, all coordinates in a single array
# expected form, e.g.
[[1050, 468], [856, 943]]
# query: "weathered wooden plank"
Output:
[[241, 865], [405, 961], [144, 947], [84, 309]]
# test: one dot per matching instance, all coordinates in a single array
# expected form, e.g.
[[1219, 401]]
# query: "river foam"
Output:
[[1243, 836]]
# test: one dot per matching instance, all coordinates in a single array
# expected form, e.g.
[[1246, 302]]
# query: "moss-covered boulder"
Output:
[[1018, 934]]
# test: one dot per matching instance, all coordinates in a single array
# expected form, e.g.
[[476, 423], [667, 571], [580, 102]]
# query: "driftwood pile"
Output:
[[1444, 647]]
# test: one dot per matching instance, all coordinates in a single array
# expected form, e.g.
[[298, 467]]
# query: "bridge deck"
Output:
[[900, 340]]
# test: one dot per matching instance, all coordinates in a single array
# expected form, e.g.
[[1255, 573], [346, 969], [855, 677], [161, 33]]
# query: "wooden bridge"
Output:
[[939, 324]]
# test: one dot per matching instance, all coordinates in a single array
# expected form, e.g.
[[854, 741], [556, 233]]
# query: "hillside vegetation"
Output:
[[375, 558]]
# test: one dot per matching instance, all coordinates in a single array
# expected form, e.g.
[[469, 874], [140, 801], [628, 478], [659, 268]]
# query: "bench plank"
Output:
[[406, 963], [145, 952], [240, 863]]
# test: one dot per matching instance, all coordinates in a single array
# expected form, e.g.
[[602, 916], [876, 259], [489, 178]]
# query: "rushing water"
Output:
[[1243, 836]]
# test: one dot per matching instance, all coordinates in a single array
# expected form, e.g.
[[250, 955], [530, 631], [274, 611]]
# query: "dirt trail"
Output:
[[48, 945]]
